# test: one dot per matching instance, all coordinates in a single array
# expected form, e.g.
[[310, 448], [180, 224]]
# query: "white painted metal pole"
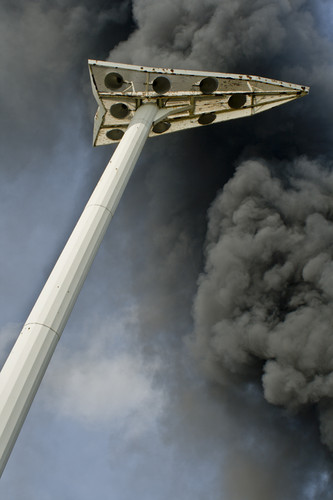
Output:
[[26, 364]]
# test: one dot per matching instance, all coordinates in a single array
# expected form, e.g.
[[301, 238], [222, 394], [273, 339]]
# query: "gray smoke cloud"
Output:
[[290, 41], [264, 302], [133, 318]]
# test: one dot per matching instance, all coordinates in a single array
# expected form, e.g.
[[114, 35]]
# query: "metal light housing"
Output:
[[186, 99]]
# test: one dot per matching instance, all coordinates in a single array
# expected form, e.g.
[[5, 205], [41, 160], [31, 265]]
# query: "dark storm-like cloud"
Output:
[[45, 51]]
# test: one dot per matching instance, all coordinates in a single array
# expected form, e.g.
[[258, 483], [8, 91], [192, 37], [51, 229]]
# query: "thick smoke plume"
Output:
[[288, 40], [265, 300], [134, 312]]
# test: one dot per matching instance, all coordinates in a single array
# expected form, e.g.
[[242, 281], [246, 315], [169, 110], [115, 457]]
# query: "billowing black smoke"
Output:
[[264, 305], [214, 440]]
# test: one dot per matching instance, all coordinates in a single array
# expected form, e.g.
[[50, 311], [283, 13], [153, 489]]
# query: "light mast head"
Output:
[[186, 99]]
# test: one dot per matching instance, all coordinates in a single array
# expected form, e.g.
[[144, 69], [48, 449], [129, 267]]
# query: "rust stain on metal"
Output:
[[184, 93]]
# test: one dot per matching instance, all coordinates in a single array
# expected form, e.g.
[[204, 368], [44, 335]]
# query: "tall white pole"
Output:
[[26, 364]]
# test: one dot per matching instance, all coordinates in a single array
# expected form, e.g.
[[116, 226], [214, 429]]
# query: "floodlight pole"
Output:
[[168, 99], [23, 371]]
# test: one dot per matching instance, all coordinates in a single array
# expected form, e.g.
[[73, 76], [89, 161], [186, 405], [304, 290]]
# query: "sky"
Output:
[[197, 361]]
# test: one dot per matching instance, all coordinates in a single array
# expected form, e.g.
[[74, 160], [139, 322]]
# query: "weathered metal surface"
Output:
[[201, 98]]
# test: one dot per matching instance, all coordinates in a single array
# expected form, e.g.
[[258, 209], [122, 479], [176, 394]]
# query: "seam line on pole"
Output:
[[100, 206], [42, 324]]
